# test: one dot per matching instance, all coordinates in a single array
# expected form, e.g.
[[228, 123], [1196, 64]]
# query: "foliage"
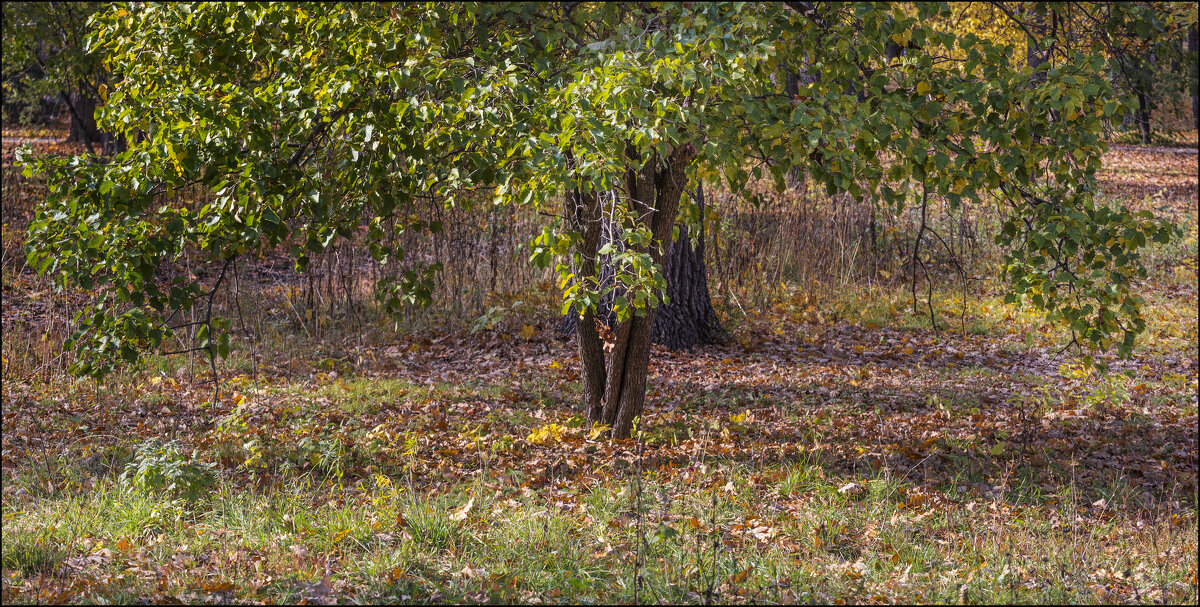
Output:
[[310, 124], [1146, 44], [164, 467], [1143, 43]]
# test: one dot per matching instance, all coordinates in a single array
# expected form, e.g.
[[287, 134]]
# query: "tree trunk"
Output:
[[83, 120], [586, 218], [689, 320], [654, 190], [1035, 56], [1191, 79], [1143, 116], [82, 107]]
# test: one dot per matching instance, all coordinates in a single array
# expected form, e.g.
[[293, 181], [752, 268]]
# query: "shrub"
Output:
[[163, 467]]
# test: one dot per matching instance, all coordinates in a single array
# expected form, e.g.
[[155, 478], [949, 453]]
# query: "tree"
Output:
[[307, 121], [45, 55], [1193, 47], [686, 317], [1147, 42], [1144, 42], [689, 319]]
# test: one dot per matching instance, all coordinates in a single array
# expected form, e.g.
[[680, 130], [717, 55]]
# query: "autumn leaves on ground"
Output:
[[838, 448]]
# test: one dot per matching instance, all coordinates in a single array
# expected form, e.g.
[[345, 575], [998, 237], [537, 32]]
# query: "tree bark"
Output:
[[689, 319], [1143, 116], [587, 219], [82, 107], [1035, 55], [654, 190], [83, 119]]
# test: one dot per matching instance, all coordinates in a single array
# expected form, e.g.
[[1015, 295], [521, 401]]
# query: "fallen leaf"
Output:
[[853, 490], [460, 513]]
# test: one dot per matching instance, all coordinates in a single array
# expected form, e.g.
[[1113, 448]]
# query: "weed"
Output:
[[159, 466]]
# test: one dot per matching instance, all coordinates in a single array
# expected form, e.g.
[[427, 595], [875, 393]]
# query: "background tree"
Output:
[[1145, 43], [1152, 60], [308, 121], [686, 317], [45, 56]]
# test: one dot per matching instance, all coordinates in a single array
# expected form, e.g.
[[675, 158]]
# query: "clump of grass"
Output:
[[32, 552], [430, 524]]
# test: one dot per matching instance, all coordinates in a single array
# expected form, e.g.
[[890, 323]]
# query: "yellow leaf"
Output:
[[922, 87], [546, 434], [526, 332], [597, 429]]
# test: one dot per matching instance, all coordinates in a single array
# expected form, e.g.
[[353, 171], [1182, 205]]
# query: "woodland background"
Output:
[[837, 445]]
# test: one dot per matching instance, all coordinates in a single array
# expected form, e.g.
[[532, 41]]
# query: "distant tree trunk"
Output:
[[83, 119], [654, 190], [1193, 77], [1143, 116], [82, 108], [1035, 56]]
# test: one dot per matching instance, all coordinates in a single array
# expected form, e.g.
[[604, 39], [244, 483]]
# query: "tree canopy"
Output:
[[313, 122]]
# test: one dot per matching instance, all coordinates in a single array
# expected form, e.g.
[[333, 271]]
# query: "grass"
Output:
[[740, 533], [838, 449]]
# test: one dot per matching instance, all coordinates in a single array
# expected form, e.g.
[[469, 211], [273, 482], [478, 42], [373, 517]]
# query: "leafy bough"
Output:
[[309, 124]]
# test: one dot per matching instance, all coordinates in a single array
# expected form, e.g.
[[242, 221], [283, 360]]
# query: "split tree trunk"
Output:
[[615, 389], [688, 320]]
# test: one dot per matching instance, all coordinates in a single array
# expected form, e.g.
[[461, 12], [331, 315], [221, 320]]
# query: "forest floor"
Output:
[[837, 449]]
